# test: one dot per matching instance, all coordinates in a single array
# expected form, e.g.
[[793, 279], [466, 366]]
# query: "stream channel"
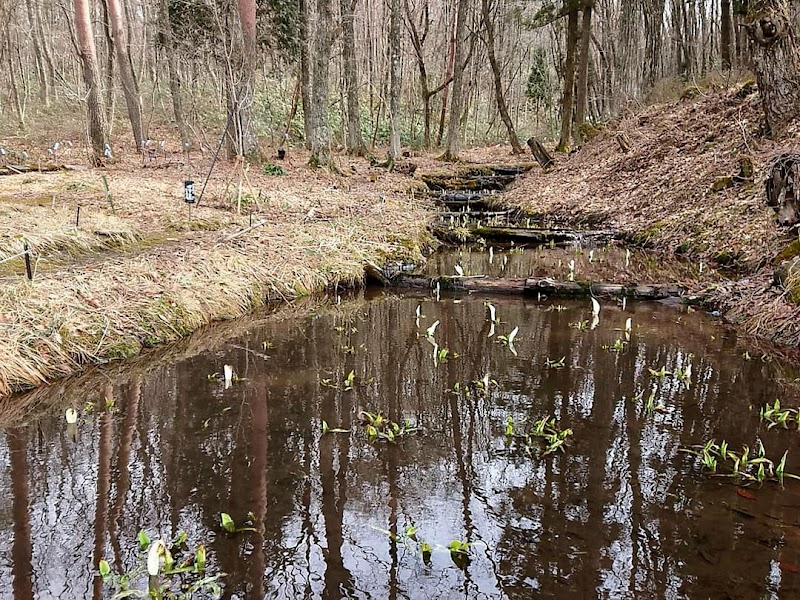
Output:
[[616, 511]]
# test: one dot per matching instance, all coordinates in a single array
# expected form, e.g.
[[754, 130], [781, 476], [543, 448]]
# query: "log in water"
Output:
[[543, 285]]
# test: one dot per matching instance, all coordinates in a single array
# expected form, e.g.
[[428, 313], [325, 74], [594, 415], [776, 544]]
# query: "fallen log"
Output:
[[533, 286], [522, 235], [32, 168]]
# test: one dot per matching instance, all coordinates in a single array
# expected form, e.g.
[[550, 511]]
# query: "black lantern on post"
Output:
[[188, 191], [188, 195]]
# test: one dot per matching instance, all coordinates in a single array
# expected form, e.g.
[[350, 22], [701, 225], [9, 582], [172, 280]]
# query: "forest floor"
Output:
[[675, 191], [137, 271]]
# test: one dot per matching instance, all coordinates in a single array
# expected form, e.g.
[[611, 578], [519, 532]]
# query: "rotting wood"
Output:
[[466, 182], [540, 153], [542, 285], [33, 168]]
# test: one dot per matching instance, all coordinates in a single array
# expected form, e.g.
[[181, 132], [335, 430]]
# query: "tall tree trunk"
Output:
[[564, 140], [774, 28], [96, 118], [47, 54], [418, 42], [453, 123], [355, 142], [725, 33], [394, 82], [110, 95], [448, 77], [502, 107], [653, 16], [581, 100], [320, 129], [41, 69], [129, 87], [305, 72], [167, 38], [242, 139]]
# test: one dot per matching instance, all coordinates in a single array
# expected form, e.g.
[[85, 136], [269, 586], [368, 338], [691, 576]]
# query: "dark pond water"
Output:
[[602, 263], [621, 513]]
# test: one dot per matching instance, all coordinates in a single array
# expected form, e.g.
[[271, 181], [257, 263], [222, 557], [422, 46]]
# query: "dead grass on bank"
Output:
[[660, 195], [76, 391], [172, 275]]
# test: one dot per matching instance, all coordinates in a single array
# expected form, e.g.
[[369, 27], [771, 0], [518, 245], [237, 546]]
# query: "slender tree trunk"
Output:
[[41, 69], [47, 54], [502, 107], [320, 129], [110, 96], [569, 82], [355, 142], [418, 41], [453, 123], [774, 28], [448, 76], [305, 72], [129, 87], [581, 100], [394, 83], [242, 139], [725, 33], [96, 121], [168, 44]]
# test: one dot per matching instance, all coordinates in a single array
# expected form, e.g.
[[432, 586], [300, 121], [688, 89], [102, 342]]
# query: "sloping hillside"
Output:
[[677, 190]]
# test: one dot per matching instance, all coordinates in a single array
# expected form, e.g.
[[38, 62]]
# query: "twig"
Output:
[[243, 231]]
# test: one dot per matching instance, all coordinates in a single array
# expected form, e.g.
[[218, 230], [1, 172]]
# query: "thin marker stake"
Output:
[[28, 262], [78, 217]]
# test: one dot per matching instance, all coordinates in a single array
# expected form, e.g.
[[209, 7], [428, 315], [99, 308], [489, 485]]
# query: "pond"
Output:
[[617, 511]]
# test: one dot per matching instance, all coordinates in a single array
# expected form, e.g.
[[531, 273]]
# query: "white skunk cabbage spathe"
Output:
[[154, 555], [628, 325], [71, 416], [228, 369], [491, 255], [459, 271], [595, 307]]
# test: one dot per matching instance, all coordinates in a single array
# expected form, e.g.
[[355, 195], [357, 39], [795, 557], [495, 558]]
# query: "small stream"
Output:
[[619, 513]]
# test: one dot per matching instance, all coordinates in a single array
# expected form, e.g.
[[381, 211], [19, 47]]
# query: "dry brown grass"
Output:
[[169, 276]]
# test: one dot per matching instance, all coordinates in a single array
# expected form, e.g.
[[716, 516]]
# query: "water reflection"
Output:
[[620, 514]]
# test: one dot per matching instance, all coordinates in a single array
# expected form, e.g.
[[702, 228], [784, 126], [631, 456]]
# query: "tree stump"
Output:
[[783, 188], [541, 154]]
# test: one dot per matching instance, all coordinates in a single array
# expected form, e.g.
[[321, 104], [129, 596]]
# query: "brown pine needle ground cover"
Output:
[[662, 195], [168, 275]]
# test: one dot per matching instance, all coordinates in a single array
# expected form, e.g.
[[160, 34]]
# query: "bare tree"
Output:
[[98, 133], [454, 122], [167, 40], [355, 142], [242, 139], [129, 88], [488, 26], [564, 141], [394, 83], [581, 98], [320, 76]]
